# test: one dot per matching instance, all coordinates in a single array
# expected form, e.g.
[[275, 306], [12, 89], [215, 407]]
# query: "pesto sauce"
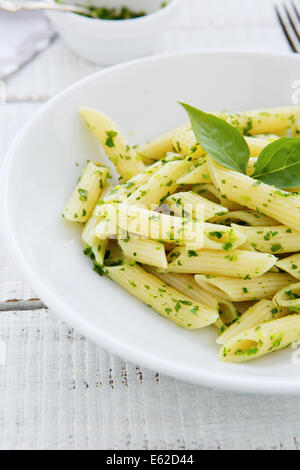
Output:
[[114, 14]]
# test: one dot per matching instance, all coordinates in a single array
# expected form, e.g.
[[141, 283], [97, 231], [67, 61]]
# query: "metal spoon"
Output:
[[16, 5]]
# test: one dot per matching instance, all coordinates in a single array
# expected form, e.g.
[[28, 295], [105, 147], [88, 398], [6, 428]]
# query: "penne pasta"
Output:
[[197, 173], [165, 300], [251, 166], [236, 263], [256, 145], [275, 120], [289, 297], [264, 121], [120, 193], [157, 148], [291, 265], [210, 191], [126, 160], [262, 339], [145, 251], [194, 240], [178, 203], [86, 193], [261, 121], [93, 246], [150, 224], [261, 312], [159, 186], [185, 142], [275, 240], [239, 290], [220, 237], [186, 284], [253, 194], [245, 217], [267, 137]]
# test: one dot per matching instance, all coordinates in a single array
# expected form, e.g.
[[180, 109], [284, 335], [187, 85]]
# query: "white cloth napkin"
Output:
[[22, 35]]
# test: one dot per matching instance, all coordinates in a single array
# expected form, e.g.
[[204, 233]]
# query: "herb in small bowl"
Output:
[[114, 14]]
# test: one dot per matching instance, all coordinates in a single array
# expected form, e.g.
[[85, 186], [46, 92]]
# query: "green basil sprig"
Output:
[[277, 165], [219, 139]]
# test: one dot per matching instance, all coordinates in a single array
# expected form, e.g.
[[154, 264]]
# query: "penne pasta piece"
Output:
[[261, 121], [275, 240], [121, 192], [210, 192], [186, 284], [274, 269], [127, 162], [245, 217], [180, 203], [219, 237], [160, 185], [262, 339], [165, 300], [256, 145], [264, 121], [145, 251], [253, 194], [291, 265], [261, 312], [185, 142], [86, 193], [236, 263], [197, 173], [93, 246], [250, 166], [289, 297], [157, 148], [150, 224], [239, 290], [266, 136]]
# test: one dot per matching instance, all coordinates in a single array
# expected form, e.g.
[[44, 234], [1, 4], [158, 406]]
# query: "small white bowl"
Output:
[[110, 42]]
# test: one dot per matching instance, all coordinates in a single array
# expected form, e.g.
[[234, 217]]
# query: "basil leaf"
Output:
[[219, 139], [279, 163]]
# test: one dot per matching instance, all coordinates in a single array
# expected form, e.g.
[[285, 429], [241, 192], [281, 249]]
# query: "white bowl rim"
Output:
[[142, 19], [70, 315]]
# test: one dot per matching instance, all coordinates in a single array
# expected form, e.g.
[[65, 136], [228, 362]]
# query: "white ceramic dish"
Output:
[[109, 42], [39, 174]]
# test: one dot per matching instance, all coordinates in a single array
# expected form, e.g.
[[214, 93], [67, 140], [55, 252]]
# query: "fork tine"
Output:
[[286, 30], [292, 20], [296, 9]]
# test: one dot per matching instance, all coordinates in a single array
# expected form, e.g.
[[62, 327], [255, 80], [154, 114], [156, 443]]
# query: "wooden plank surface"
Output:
[[60, 391]]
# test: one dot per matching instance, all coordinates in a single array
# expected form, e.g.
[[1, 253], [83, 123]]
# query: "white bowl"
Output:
[[110, 42], [39, 174]]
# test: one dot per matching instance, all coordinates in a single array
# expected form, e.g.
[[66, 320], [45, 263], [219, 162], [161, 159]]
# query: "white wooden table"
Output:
[[60, 391]]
